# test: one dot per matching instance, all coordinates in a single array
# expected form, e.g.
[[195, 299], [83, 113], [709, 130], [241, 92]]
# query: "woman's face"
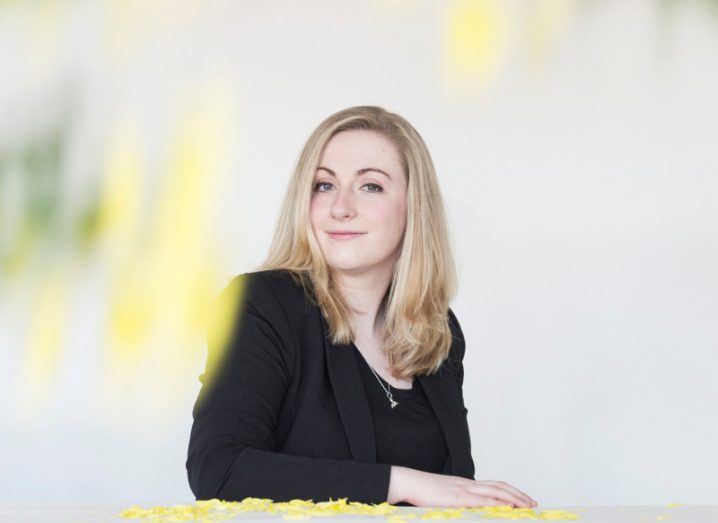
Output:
[[359, 187]]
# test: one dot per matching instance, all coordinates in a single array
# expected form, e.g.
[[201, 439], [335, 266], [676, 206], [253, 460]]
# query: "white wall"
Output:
[[579, 173]]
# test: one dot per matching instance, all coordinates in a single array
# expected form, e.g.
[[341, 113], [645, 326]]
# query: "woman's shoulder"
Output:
[[255, 311], [458, 344], [271, 297], [281, 281], [268, 289], [455, 326]]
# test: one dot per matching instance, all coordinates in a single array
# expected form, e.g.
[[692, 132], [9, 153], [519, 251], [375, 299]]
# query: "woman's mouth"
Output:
[[344, 235]]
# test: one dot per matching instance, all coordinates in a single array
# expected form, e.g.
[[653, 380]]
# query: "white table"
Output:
[[94, 513]]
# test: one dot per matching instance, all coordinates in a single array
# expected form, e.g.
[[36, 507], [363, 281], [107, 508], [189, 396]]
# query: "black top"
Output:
[[409, 434], [278, 415]]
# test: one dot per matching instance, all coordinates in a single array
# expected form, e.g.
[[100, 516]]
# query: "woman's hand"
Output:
[[424, 489]]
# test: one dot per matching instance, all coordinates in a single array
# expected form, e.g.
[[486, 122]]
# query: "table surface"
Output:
[[90, 513]]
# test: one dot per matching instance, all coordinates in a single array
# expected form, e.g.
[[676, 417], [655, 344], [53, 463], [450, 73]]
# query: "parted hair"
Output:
[[416, 327]]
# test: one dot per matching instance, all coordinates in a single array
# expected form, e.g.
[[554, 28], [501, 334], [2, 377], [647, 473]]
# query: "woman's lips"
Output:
[[344, 236]]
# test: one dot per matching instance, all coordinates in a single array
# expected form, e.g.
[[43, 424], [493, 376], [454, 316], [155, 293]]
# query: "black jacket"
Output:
[[287, 417]]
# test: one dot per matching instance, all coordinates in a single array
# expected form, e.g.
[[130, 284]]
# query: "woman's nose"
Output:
[[343, 204]]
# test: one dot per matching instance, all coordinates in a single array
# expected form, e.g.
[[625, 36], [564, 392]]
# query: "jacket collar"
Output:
[[441, 389]]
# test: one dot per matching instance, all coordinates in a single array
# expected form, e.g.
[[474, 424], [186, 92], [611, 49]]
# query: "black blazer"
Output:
[[287, 417]]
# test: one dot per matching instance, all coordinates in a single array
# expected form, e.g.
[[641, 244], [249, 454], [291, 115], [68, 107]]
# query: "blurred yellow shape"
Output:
[[546, 21], [121, 195], [183, 256], [164, 274], [472, 45], [130, 308], [131, 313], [181, 253], [47, 331]]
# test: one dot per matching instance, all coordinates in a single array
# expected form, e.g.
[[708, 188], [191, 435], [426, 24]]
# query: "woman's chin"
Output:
[[349, 267]]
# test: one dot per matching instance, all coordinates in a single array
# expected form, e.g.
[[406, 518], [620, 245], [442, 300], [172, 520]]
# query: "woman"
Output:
[[335, 370]]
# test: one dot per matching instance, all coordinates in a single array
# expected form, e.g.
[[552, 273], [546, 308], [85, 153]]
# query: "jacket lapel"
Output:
[[351, 401], [441, 390]]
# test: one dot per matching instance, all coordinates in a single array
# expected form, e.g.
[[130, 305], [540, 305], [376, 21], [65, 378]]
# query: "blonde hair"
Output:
[[416, 327]]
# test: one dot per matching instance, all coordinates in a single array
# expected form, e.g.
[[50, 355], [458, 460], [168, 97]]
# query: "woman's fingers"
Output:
[[516, 491], [497, 491]]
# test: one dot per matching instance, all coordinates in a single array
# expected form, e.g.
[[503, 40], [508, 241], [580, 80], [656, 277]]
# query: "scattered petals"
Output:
[[208, 511], [508, 512]]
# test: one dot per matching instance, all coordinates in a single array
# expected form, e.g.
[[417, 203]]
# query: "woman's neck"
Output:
[[364, 294]]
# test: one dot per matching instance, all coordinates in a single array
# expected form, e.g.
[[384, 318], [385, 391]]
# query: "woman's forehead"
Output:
[[363, 150]]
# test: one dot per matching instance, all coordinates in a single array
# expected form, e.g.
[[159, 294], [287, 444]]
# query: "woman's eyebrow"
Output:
[[359, 172]]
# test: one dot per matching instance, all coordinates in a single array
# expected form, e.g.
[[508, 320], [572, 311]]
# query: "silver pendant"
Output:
[[393, 403]]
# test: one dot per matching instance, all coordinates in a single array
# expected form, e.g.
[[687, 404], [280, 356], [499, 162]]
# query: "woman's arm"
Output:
[[221, 467], [398, 483], [230, 452], [425, 489], [458, 335]]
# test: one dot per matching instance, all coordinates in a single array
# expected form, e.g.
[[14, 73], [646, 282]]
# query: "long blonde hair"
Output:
[[416, 326]]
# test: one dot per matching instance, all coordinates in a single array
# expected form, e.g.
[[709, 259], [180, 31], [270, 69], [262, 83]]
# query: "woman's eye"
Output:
[[376, 188]]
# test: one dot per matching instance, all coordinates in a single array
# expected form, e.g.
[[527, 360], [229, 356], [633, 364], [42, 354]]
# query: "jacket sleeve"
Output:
[[458, 334], [232, 446], [459, 363]]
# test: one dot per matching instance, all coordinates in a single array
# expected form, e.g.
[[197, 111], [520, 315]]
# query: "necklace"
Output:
[[389, 395]]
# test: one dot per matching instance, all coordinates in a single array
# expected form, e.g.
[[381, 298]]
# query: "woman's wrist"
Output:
[[397, 484]]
